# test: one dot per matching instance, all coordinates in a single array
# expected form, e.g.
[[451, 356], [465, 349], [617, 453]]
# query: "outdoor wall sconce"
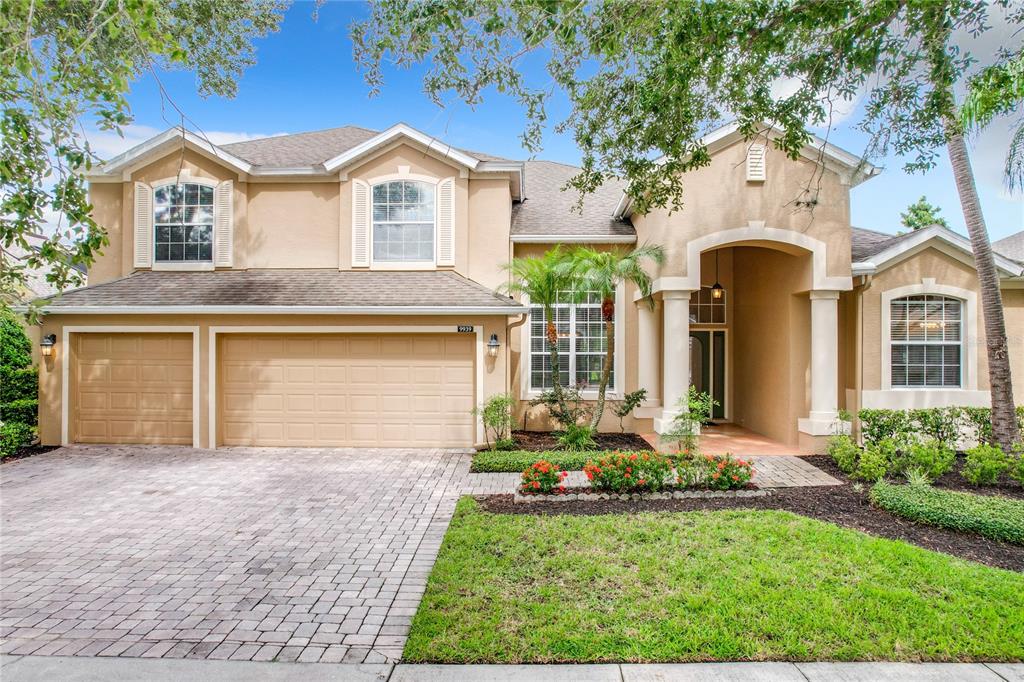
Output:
[[46, 345], [492, 346]]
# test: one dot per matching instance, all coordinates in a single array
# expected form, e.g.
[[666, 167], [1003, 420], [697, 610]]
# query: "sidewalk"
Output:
[[71, 669]]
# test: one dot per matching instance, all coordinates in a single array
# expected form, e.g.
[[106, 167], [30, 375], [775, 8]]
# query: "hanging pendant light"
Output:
[[717, 290]]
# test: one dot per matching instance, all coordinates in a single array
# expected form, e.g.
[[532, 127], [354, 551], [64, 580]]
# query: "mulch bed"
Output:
[[541, 441], [30, 451], [841, 505]]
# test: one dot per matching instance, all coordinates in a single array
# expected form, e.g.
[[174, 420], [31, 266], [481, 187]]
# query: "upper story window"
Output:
[[582, 345], [926, 335], [183, 223], [705, 308], [403, 221]]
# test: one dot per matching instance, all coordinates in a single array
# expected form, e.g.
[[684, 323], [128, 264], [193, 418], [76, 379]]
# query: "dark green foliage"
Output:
[[15, 346], [25, 411], [879, 425], [14, 436], [18, 383], [629, 402], [931, 458], [984, 464], [999, 518], [577, 438], [922, 214], [943, 424], [876, 460], [980, 420]]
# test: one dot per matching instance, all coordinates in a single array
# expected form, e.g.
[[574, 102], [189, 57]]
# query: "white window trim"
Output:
[[65, 369], [185, 177], [619, 369], [403, 174], [901, 397], [478, 363]]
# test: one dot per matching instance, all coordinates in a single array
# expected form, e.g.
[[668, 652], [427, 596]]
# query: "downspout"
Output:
[[508, 355], [866, 281]]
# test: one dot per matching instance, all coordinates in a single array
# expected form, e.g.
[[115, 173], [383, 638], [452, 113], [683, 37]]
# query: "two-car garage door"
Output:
[[360, 390], [380, 390]]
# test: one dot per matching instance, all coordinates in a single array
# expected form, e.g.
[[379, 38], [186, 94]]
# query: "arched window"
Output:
[[183, 223], [926, 341], [403, 221]]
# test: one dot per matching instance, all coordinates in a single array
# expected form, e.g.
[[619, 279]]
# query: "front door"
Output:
[[707, 366]]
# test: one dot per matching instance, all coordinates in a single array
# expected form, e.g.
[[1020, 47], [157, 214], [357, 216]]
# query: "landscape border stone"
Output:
[[519, 498]]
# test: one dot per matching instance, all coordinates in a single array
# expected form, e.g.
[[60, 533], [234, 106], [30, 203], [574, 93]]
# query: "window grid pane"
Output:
[[183, 223], [403, 221], [705, 308], [581, 343], [925, 332]]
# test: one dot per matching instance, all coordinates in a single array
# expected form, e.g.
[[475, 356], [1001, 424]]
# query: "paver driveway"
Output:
[[256, 554]]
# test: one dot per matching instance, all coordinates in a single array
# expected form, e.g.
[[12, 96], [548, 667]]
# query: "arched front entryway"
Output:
[[767, 348]]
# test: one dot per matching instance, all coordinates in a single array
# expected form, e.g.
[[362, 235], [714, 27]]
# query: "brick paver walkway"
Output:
[[242, 554]]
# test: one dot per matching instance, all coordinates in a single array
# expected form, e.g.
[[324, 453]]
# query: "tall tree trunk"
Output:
[[1004, 418], [608, 312], [552, 336]]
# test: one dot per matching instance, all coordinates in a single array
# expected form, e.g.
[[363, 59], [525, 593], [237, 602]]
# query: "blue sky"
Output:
[[305, 79]]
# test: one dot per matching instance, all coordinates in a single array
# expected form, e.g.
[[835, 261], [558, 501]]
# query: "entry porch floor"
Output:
[[723, 438]]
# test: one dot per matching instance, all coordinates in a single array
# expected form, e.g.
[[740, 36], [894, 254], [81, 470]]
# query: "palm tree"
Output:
[[602, 272], [545, 280]]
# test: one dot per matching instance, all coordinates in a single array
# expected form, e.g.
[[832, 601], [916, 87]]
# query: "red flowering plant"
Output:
[[543, 477], [717, 472], [624, 472]]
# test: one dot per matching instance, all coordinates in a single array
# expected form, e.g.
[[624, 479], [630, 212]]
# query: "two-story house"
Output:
[[342, 288]]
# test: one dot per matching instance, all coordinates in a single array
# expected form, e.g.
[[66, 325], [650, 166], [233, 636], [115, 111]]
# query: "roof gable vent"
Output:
[[756, 163]]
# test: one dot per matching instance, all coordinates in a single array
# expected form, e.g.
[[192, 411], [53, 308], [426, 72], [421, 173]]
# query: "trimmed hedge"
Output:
[[516, 461], [999, 518], [14, 436], [16, 384], [24, 411]]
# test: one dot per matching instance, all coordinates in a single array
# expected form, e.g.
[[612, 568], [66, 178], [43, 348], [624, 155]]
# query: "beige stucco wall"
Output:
[[50, 371], [718, 197], [771, 342], [307, 223], [1013, 309]]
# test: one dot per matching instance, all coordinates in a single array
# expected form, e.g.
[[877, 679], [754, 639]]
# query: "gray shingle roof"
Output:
[[303, 288], [309, 149], [1012, 246], [547, 210], [866, 243]]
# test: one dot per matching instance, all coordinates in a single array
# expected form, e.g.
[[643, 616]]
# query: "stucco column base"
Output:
[[822, 424], [817, 445]]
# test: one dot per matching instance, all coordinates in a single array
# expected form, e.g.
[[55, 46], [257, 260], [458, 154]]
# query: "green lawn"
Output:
[[727, 585]]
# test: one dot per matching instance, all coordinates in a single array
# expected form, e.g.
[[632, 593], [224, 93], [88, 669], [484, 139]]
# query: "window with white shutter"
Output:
[[446, 222], [360, 224], [756, 163], [143, 225], [223, 242]]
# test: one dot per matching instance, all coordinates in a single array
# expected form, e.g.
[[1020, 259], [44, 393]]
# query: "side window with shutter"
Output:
[[360, 224], [143, 225], [446, 222]]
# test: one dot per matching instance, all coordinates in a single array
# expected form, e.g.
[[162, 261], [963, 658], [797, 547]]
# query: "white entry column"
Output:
[[675, 354], [649, 344], [824, 364]]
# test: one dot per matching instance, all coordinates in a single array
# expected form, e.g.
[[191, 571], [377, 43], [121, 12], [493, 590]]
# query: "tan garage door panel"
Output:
[[365, 390], [132, 388]]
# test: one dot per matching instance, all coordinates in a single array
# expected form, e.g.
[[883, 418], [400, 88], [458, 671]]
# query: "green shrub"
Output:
[[515, 461], [625, 407], [1016, 470], [984, 464], [542, 477], [980, 421], [496, 415], [15, 346], [999, 518], [844, 452], [876, 459], [626, 472], [932, 458], [505, 444], [24, 411], [13, 436], [16, 384], [879, 425], [577, 438], [943, 424]]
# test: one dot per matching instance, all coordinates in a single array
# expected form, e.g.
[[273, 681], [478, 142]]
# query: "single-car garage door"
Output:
[[364, 390], [131, 388]]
